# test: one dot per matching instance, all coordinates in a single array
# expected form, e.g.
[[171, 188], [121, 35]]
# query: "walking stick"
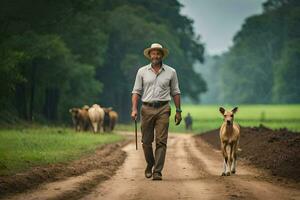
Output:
[[135, 125]]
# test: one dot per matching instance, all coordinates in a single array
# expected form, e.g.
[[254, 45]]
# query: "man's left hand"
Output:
[[177, 118]]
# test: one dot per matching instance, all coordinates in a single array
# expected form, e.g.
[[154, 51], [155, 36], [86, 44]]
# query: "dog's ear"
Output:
[[234, 110], [222, 110]]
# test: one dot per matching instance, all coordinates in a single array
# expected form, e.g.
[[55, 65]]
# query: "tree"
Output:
[[260, 62], [88, 51]]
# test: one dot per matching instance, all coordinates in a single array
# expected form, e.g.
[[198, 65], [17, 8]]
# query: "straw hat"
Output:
[[156, 46]]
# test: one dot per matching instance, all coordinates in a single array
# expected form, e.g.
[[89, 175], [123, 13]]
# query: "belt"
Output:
[[155, 104]]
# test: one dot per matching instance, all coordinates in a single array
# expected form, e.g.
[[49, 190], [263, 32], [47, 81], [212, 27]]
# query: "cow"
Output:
[[110, 119], [96, 115], [80, 118]]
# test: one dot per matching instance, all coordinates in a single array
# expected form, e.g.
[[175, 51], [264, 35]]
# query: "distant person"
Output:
[[156, 83], [188, 122]]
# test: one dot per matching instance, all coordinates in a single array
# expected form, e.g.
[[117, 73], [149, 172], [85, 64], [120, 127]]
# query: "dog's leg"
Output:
[[224, 167], [229, 161], [225, 156], [233, 170]]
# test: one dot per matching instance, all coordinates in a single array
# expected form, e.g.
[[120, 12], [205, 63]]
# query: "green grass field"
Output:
[[23, 148], [208, 117]]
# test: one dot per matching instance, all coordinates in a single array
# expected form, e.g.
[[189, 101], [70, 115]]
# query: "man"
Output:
[[188, 122], [155, 83]]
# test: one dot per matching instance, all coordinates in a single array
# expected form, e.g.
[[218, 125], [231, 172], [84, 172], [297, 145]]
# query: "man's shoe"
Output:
[[148, 172], [157, 176]]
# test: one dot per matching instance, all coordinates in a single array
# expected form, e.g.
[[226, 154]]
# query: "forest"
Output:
[[263, 65], [55, 55]]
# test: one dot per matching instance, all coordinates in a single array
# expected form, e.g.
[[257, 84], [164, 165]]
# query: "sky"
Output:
[[217, 21]]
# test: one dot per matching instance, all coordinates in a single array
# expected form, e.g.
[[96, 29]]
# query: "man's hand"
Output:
[[177, 118], [134, 114], [134, 100]]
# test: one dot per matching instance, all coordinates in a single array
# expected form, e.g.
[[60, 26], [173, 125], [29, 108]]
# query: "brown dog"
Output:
[[229, 135]]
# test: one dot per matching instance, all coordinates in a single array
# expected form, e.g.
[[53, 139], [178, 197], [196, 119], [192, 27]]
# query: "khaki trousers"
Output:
[[155, 120]]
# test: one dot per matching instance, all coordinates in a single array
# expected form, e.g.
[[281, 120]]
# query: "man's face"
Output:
[[156, 56]]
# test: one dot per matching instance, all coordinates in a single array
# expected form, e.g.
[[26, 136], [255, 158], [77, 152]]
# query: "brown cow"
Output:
[[110, 119], [80, 118]]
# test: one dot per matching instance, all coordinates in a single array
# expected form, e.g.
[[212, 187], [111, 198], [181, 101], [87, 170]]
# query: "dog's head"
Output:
[[228, 115]]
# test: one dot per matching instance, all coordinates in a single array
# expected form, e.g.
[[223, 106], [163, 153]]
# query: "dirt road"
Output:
[[192, 171]]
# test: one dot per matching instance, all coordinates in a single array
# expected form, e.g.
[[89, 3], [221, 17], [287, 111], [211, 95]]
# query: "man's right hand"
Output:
[[134, 114]]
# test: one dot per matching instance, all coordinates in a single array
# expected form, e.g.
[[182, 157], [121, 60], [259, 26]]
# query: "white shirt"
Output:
[[156, 87]]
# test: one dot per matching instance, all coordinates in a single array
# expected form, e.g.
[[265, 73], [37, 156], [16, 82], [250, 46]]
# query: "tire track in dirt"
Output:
[[192, 171], [229, 190], [75, 187], [181, 180]]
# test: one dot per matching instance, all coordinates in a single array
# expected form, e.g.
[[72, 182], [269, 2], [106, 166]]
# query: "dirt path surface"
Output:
[[275, 151], [62, 181], [192, 171]]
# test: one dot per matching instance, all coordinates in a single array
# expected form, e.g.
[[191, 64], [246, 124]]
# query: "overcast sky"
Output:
[[217, 21]]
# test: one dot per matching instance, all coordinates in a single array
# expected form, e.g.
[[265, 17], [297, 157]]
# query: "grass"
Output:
[[207, 117], [24, 148]]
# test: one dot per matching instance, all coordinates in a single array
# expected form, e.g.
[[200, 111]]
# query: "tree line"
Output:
[[55, 55], [263, 65]]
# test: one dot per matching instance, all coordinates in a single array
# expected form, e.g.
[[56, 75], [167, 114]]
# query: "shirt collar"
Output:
[[162, 66]]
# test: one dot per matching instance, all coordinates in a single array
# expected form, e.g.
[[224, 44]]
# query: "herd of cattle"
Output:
[[94, 118]]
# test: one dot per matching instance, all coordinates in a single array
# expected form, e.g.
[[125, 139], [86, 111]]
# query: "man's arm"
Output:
[[175, 92], [134, 110], [136, 93], [176, 99]]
